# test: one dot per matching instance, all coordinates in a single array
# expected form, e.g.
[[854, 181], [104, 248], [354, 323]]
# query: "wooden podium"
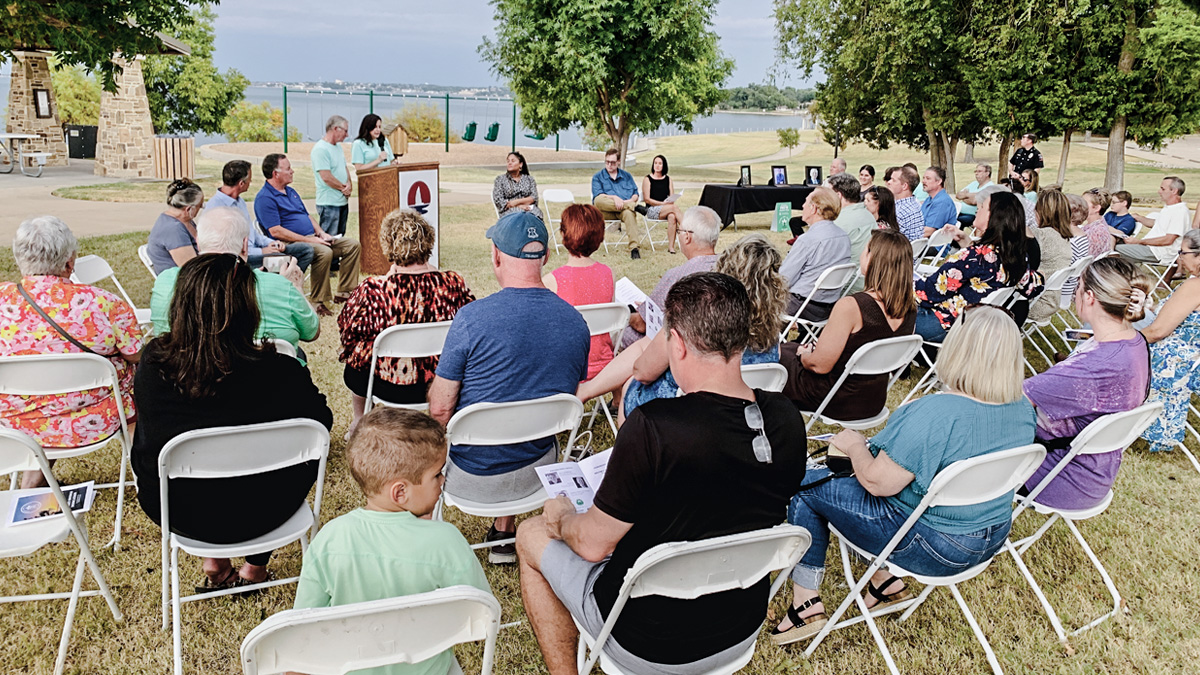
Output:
[[386, 188]]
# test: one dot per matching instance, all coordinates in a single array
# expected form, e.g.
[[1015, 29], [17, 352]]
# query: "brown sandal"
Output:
[[802, 628], [885, 600]]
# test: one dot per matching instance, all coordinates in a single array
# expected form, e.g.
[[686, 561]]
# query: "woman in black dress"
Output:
[[656, 188], [209, 371]]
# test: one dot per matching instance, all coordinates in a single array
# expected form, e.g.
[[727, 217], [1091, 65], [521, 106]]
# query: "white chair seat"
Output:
[[1075, 514], [866, 423], [610, 668], [66, 453], [294, 529], [19, 540], [421, 407], [499, 509], [926, 270], [925, 579]]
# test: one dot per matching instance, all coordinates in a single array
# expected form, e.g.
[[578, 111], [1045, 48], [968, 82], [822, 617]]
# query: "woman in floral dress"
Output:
[[515, 188], [45, 248], [1174, 339]]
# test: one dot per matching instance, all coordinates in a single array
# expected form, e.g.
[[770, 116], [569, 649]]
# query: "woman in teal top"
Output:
[[984, 411], [371, 149]]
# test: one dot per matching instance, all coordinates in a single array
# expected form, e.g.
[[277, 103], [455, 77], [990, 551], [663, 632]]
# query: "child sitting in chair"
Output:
[[391, 547]]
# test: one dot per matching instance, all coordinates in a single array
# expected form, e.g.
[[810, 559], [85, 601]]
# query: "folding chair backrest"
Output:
[[221, 452], [18, 452], [605, 318], [514, 422], [919, 246], [43, 374], [1056, 281], [941, 238], [144, 256], [558, 196], [1116, 431], [984, 478], [835, 277], [765, 376], [883, 356], [407, 629], [90, 269], [412, 340], [690, 569], [284, 347]]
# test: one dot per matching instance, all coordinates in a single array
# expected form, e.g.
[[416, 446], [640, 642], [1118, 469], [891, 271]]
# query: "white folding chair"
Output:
[[606, 318], [1051, 289], [1188, 428], [563, 198], [689, 569], [504, 424], [285, 347], [1109, 433], [144, 256], [48, 374], [765, 376], [407, 629], [887, 356], [833, 278], [19, 452], [228, 452], [918, 248], [92, 269], [649, 226], [939, 242], [410, 340], [963, 483], [1158, 271]]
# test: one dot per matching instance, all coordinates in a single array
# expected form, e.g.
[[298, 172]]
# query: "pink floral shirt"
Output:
[[94, 317], [1099, 239]]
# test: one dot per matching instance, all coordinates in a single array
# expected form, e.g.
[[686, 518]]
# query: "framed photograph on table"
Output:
[[779, 175], [812, 175], [745, 181]]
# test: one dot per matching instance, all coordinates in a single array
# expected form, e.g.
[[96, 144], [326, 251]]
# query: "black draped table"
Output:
[[730, 200]]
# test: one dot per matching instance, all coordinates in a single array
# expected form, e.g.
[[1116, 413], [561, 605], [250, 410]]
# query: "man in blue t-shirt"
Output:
[[282, 213], [938, 211], [521, 343], [615, 193], [332, 177]]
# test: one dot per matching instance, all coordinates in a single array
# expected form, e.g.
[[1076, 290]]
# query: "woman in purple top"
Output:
[[1107, 374]]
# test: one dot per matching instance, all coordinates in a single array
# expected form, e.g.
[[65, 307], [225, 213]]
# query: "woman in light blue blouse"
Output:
[[983, 411], [371, 149]]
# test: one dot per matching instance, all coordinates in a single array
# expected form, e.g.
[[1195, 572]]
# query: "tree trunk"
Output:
[[1062, 159], [1002, 164], [969, 154], [931, 137], [1114, 170], [949, 144]]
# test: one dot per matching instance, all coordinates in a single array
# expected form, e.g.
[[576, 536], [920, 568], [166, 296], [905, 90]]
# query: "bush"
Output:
[[78, 95], [424, 122], [249, 123]]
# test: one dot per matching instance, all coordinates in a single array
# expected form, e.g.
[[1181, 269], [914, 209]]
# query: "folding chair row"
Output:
[[833, 278]]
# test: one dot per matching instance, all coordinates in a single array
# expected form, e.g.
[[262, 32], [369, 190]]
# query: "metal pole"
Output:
[[371, 101], [556, 142], [285, 134], [447, 122], [514, 134]]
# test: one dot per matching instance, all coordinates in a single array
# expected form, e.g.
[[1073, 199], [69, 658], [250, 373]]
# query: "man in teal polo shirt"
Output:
[[332, 177], [286, 315]]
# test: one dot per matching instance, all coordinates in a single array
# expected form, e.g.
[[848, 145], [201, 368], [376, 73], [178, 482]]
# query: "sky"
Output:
[[420, 41]]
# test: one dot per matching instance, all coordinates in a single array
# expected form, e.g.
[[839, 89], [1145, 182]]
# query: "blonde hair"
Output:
[[1112, 280], [1078, 209], [982, 357], [828, 204], [405, 237], [890, 272], [1053, 211], [1099, 197], [392, 444], [753, 261]]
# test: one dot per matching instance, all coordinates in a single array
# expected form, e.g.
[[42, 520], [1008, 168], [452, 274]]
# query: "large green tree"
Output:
[[188, 94], [89, 33], [614, 67]]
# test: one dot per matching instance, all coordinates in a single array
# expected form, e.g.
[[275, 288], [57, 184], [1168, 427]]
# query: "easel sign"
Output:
[[783, 215], [395, 186]]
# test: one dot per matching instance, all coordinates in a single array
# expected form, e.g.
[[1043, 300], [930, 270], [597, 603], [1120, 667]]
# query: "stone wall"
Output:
[[125, 140], [31, 71]]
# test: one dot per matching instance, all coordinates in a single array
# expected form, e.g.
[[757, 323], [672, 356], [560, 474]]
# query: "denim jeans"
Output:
[[333, 218], [303, 253], [870, 522], [929, 327]]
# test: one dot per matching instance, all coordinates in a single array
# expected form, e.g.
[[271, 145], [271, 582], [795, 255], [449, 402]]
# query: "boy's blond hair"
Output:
[[392, 444]]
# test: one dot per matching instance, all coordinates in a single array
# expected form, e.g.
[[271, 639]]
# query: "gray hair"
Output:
[[1177, 184], [44, 245], [704, 224], [986, 167], [334, 121], [846, 186], [222, 230], [838, 161], [984, 196], [183, 193], [1192, 239]]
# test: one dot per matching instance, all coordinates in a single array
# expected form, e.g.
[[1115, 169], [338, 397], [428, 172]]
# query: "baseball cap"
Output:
[[515, 231]]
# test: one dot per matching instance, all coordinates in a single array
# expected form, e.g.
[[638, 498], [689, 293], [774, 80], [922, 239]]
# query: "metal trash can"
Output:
[[81, 141]]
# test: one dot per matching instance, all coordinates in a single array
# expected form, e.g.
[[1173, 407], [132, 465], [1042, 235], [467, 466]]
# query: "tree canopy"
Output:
[[89, 33], [614, 67]]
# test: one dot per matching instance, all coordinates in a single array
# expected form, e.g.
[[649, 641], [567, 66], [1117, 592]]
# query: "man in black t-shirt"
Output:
[[722, 459], [1026, 157]]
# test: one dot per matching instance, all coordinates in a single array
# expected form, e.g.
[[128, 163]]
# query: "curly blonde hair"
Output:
[[755, 262], [406, 238]]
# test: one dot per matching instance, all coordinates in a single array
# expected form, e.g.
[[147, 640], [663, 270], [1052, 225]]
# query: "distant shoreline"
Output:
[[776, 113]]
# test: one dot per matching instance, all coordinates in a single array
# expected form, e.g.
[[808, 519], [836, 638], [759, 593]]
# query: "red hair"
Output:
[[582, 229]]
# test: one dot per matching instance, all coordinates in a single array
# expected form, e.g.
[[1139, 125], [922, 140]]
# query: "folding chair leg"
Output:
[[70, 621], [176, 627], [987, 647], [920, 384], [115, 542], [90, 559], [1108, 582], [1037, 591], [917, 603]]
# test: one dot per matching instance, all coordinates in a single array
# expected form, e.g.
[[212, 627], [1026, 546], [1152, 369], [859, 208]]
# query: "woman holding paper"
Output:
[[658, 188], [583, 281]]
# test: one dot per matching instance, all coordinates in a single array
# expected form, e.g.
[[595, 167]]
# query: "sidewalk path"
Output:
[[781, 155]]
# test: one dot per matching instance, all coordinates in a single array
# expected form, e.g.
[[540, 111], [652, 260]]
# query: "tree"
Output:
[[77, 93], [187, 94], [89, 34], [617, 67], [424, 122], [262, 123], [788, 138]]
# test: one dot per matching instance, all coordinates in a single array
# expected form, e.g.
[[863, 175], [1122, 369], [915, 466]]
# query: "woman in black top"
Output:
[[656, 187], [209, 371]]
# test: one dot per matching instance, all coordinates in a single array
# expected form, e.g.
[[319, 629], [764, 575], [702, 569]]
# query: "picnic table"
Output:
[[11, 145]]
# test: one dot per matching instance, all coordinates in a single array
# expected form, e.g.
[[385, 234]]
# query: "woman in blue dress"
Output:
[[1174, 339]]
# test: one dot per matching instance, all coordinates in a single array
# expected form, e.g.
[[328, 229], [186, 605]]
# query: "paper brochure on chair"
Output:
[[577, 481], [37, 504]]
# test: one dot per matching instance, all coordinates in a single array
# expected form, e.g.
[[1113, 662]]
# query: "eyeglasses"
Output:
[[762, 446], [691, 232], [611, 162], [1182, 252]]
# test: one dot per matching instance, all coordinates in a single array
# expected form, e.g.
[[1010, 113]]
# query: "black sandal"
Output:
[[232, 581], [802, 627], [885, 600]]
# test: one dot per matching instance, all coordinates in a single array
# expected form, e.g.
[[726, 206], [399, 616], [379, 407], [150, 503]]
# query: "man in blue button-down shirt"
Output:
[[939, 210], [615, 193]]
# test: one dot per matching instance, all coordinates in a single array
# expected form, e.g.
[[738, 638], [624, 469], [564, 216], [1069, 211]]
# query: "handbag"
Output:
[[61, 331], [839, 467]]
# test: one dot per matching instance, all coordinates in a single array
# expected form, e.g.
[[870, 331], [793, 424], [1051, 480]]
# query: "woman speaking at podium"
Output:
[[371, 149]]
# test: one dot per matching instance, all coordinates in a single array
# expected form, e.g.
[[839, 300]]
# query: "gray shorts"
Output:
[[573, 578], [652, 212], [504, 487]]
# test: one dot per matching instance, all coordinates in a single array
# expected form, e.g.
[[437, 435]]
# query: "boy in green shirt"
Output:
[[391, 547]]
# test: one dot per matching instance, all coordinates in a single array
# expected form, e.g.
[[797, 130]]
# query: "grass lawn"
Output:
[[1147, 539]]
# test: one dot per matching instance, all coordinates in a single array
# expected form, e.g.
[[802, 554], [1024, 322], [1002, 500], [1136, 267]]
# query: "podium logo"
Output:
[[419, 197]]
